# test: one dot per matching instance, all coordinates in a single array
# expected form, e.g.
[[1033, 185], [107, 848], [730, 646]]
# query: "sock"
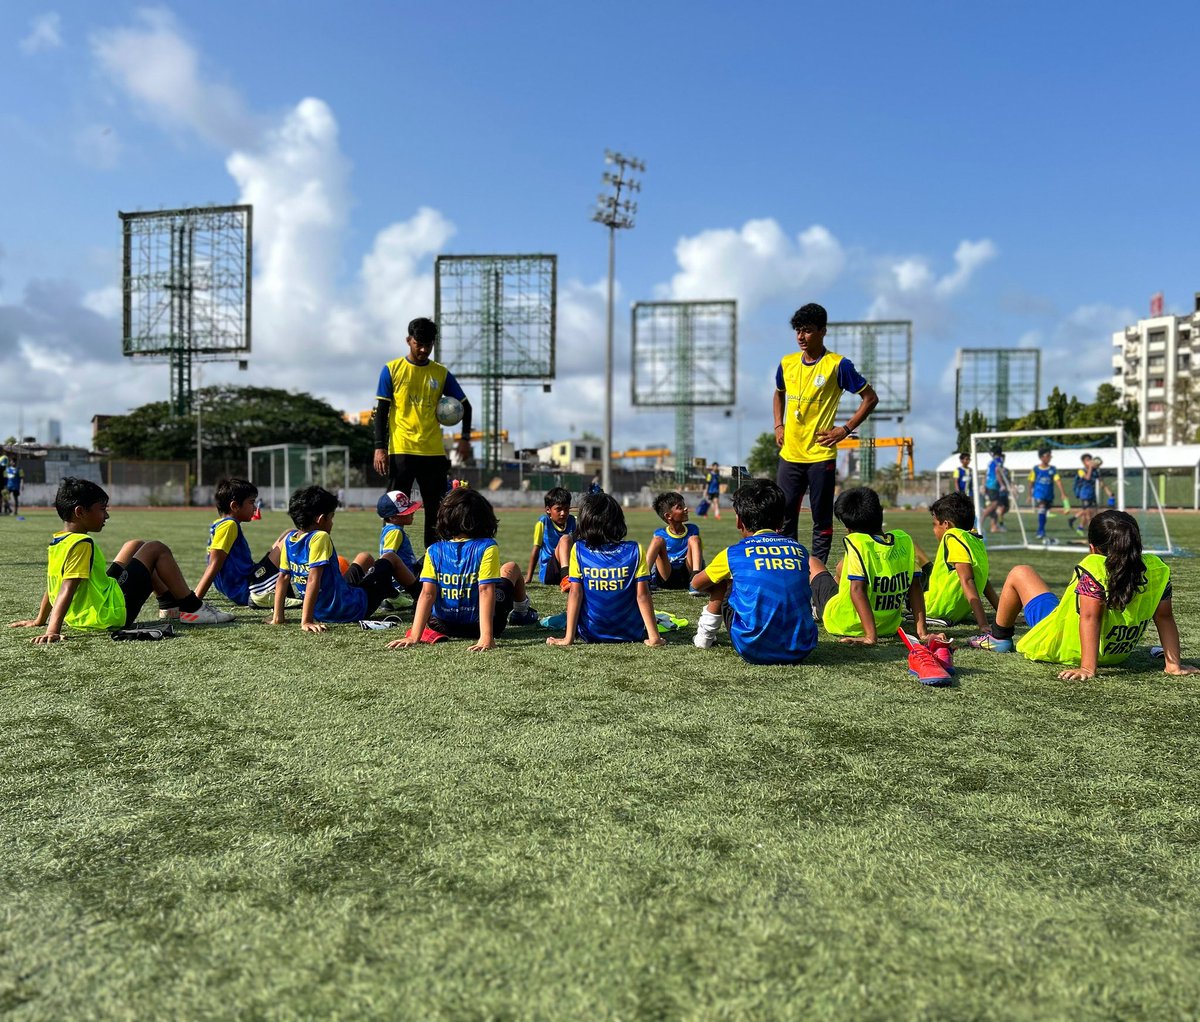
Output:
[[1041, 521], [521, 604], [709, 622], [167, 602], [414, 590], [1000, 632], [190, 603]]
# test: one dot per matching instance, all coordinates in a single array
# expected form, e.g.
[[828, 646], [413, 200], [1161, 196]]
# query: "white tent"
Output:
[[1182, 456]]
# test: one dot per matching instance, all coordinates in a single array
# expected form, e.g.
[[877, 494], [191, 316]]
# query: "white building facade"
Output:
[[1150, 360]]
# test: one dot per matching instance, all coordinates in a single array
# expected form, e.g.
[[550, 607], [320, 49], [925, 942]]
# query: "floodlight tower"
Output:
[[684, 355], [186, 276], [496, 321], [1001, 383], [615, 213]]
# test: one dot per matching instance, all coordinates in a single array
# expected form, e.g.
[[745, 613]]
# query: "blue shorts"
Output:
[[1040, 608]]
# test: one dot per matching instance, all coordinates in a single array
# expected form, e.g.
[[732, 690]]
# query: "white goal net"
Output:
[[1121, 480]]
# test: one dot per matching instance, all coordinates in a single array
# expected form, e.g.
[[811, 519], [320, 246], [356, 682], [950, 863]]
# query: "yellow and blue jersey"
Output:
[[608, 577], [677, 544], [458, 567], [712, 483], [337, 600], [964, 481], [771, 620], [1085, 488], [413, 392], [393, 539], [12, 478], [233, 580], [1042, 477], [546, 536], [812, 392]]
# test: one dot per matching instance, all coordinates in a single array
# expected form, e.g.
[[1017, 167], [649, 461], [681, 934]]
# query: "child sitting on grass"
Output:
[[466, 593], [675, 553], [958, 572], [760, 585], [553, 534], [1102, 615], [312, 565], [397, 511], [82, 593], [609, 596], [875, 579], [231, 567]]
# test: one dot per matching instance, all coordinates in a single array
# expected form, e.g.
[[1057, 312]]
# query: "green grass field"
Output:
[[253, 822]]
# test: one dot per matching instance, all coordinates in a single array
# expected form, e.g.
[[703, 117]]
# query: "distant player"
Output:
[[231, 566], [1043, 477], [408, 436], [1087, 481], [808, 388], [997, 490], [13, 477], [85, 595], [712, 489], [964, 477], [553, 535], [676, 551], [4, 505], [759, 587]]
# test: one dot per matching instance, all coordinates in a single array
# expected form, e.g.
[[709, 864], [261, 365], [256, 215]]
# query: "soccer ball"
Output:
[[449, 411], [1097, 462]]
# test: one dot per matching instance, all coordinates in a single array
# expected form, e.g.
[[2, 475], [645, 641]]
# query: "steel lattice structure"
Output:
[[186, 288], [684, 356], [1001, 383], [496, 317], [881, 351]]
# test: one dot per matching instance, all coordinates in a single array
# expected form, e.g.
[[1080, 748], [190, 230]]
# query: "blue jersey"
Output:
[[677, 546], [545, 537], [964, 479], [995, 466], [337, 600], [771, 620], [12, 478], [233, 580], [713, 480], [1085, 488], [608, 577], [458, 567], [393, 539], [1042, 477]]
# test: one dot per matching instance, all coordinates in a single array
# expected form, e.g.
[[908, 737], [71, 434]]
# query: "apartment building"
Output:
[[1150, 359]]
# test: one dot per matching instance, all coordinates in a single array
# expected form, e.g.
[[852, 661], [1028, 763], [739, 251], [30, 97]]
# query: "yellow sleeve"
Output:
[[538, 531], [957, 552], [78, 562], [573, 567], [1032, 475], [642, 570], [224, 536], [285, 566], [320, 549], [393, 540], [489, 565], [717, 569], [427, 572]]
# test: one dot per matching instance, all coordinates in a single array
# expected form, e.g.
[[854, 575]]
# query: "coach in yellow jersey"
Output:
[[808, 387], [408, 436]]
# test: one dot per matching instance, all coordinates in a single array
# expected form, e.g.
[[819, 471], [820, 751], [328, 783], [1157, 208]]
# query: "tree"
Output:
[[973, 422], [1185, 411], [764, 456], [233, 419]]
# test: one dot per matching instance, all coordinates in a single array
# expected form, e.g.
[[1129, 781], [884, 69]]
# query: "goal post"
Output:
[[1131, 490]]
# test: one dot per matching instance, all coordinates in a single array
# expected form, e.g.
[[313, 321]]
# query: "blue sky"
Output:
[[1018, 173]]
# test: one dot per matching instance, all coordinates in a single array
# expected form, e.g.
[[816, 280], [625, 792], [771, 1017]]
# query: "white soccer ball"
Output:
[[449, 411], [1097, 462]]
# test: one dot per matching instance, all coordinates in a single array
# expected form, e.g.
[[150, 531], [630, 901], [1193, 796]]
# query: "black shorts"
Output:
[[554, 574], [680, 577], [824, 588], [1087, 503], [470, 630], [997, 497], [136, 585], [379, 582]]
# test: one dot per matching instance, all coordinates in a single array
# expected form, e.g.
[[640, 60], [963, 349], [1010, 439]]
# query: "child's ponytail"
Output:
[[1115, 534]]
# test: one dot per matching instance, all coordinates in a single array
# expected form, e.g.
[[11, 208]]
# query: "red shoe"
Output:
[[923, 663], [942, 651]]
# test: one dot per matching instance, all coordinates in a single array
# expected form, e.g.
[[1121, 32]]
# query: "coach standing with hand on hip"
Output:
[[808, 388], [408, 436]]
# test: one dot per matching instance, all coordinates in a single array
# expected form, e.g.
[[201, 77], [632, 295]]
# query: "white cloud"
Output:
[[754, 264], [45, 33], [908, 288]]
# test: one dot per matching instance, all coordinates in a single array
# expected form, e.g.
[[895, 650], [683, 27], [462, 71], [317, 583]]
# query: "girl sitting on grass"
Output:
[[465, 591], [1101, 617], [609, 595]]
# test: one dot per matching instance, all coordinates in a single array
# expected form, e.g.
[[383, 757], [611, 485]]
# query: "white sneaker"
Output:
[[169, 615], [264, 600], [206, 615]]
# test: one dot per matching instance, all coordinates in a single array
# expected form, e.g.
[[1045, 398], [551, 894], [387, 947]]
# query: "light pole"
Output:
[[614, 212]]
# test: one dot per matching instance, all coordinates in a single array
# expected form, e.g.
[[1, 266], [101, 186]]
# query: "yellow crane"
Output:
[[903, 445]]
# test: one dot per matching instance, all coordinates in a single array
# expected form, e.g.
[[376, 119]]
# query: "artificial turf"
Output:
[[253, 822]]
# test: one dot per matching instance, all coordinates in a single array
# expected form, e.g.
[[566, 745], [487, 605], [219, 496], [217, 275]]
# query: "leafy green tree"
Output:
[[973, 421], [233, 419], [764, 456]]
